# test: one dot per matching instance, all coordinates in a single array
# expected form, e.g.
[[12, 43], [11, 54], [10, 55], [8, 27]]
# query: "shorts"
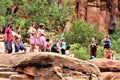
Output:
[[18, 46], [8, 46]]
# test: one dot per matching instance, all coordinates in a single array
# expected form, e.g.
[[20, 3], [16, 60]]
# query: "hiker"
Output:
[[18, 43], [68, 53], [93, 48], [106, 41], [32, 31], [63, 46], [48, 45], [40, 30], [8, 39], [41, 42], [41, 38]]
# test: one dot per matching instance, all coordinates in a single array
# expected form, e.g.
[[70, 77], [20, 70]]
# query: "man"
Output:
[[8, 39]]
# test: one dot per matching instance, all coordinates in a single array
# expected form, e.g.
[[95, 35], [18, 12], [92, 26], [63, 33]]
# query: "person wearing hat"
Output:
[[63, 46], [40, 30], [41, 38]]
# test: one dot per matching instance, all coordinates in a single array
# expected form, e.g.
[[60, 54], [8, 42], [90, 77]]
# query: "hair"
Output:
[[107, 36], [41, 26], [68, 47], [47, 39], [34, 23]]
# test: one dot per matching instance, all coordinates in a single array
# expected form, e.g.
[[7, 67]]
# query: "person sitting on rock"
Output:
[[18, 43], [67, 52]]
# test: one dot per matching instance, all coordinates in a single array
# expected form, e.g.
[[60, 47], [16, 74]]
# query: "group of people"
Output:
[[107, 51], [37, 38]]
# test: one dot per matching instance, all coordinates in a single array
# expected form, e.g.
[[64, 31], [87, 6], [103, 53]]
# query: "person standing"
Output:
[[41, 43], [93, 48], [8, 39], [63, 46], [107, 42], [32, 31]]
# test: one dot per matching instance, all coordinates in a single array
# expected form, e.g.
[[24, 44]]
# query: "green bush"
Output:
[[81, 32], [79, 51], [115, 39], [99, 53]]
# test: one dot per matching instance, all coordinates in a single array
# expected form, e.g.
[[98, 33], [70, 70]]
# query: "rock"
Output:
[[107, 65], [97, 11], [110, 69], [6, 74], [19, 77], [51, 66]]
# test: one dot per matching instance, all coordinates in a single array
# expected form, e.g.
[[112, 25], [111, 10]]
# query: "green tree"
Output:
[[81, 32], [49, 12]]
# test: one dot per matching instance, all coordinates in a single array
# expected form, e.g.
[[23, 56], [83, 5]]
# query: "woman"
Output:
[[106, 41], [63, 46], [32, 37], [93, 48]]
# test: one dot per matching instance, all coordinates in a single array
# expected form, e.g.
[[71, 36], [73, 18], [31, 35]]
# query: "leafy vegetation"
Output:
[[115, 39], [81, 32]]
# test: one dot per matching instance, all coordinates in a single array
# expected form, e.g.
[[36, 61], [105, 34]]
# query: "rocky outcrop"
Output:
[[50, 66], [110, 69], [103, 12]]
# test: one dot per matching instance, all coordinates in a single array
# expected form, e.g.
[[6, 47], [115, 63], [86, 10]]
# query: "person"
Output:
[[18, 29], [32, 31], [18, 43], [63, 46], [41, 43], [41, 30], [48, 45], [93, 48], [67, 52], [56, 46], [107, 42], [8, 39]]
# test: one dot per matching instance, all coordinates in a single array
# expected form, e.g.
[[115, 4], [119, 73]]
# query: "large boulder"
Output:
[[51, 66], [110, 69]]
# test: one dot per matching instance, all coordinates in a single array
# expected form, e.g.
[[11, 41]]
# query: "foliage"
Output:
[[99, 52], [115, 39], [83, 52], [79, 51], [49, 12], [81, 32], [45, 11]]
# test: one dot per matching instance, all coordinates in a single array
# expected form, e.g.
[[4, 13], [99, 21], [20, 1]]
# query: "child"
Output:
[[67, 52]]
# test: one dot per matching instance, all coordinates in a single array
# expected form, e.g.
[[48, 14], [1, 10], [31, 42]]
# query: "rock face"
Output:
[[103, 12], [110, 69], [50, 66]]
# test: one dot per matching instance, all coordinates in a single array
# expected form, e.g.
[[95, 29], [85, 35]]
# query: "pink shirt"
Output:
[[8, 34], [42, 41]]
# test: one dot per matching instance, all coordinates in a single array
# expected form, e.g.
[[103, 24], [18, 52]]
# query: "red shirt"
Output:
[[8, 34]]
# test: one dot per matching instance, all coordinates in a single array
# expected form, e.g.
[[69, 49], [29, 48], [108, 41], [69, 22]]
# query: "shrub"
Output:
[[81, 32], [99, 52], [79, 51], [115, 39]]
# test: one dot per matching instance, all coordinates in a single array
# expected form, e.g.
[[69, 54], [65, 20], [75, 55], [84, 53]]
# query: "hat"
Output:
[[42, 24], [62, 38]]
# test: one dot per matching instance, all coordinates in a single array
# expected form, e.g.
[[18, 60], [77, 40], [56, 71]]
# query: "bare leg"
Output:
[[32, 48], [6, 51], [39, 49], [25, 49]]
